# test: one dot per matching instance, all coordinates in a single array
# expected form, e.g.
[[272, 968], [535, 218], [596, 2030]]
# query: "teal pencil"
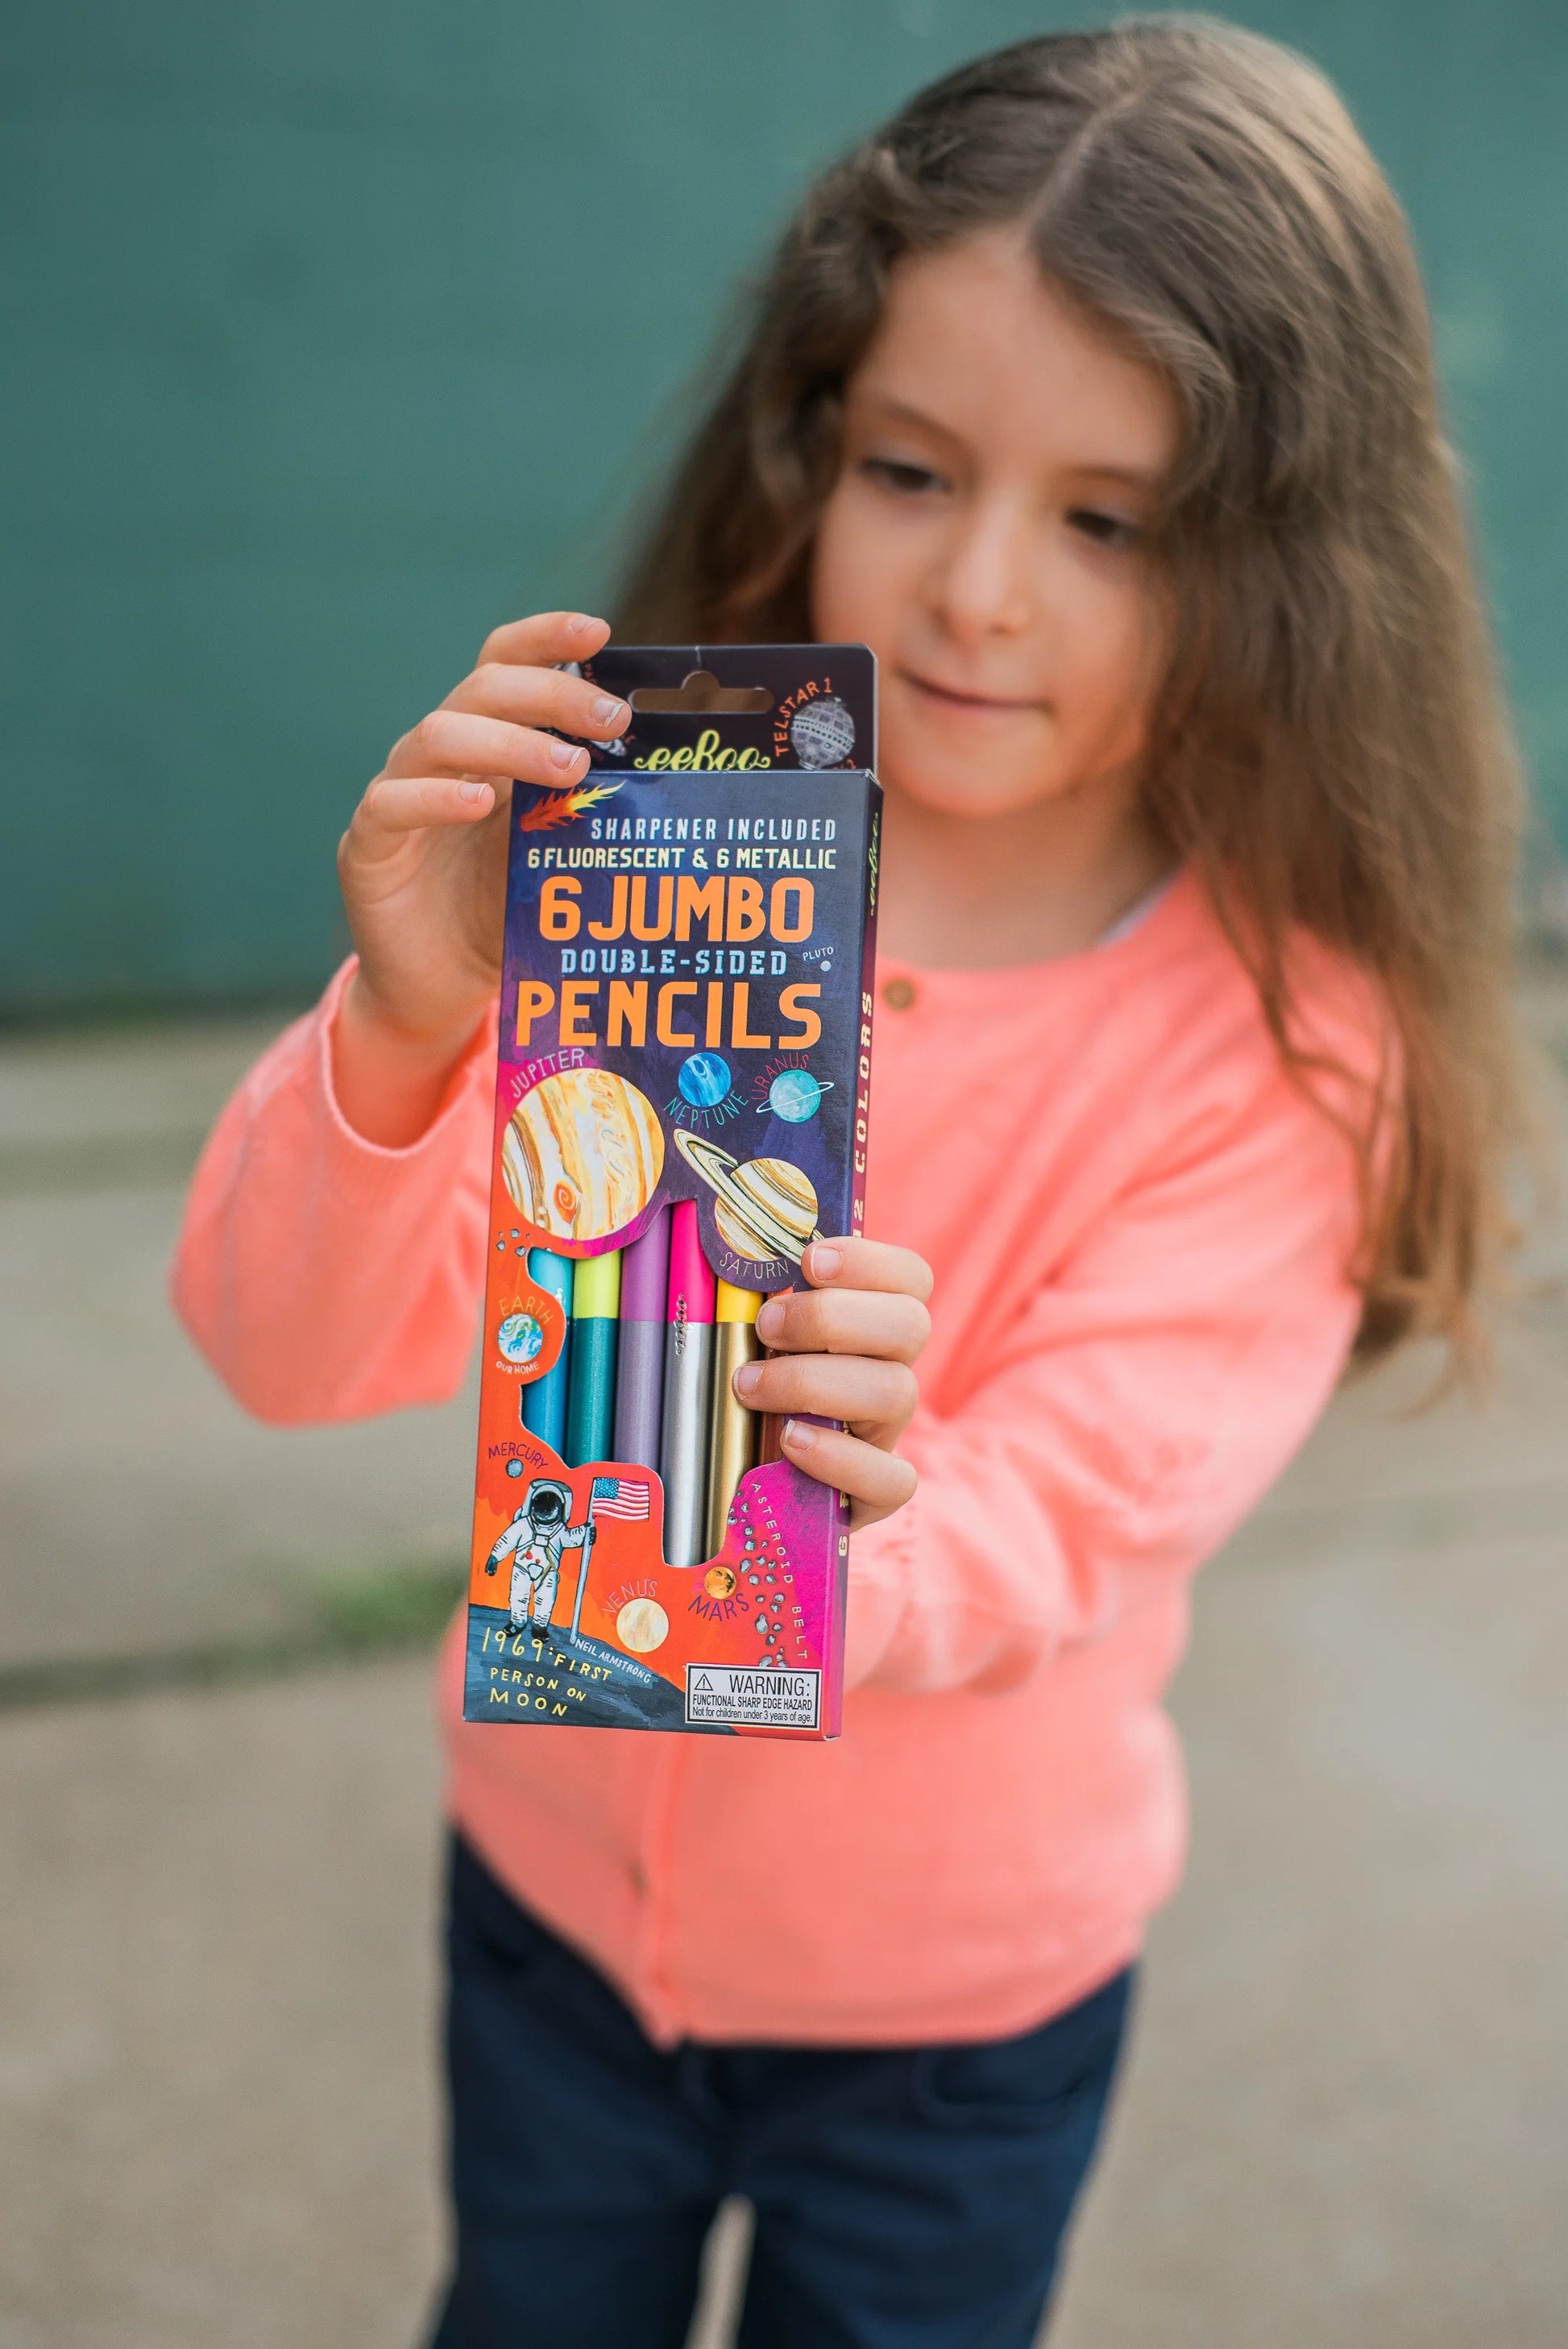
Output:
[[544, 1403], [595, 1329]]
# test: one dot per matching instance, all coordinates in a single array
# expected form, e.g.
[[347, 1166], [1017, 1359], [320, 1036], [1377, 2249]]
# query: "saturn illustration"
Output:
[[764, 1207]]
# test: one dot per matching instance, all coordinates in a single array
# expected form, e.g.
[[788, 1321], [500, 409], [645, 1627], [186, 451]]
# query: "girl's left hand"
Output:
[[845, 1346]]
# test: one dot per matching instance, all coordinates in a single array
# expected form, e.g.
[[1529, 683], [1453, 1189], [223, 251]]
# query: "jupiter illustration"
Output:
[[581, 1155]]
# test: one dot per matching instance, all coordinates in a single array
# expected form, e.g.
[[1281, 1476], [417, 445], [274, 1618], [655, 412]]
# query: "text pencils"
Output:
[[591, 1390], [688, 1363], [731, 1428], [544, 1403], [640, 1369]]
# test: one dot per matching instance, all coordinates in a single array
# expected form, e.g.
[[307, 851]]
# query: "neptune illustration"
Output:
[[704, 1079], [703, 1094]]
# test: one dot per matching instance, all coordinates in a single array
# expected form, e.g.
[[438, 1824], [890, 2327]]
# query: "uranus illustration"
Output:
[[796, 1095]]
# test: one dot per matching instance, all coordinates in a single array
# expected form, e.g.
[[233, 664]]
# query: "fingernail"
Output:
[[770, 1320], [825, 1262], [577, 623], [747, 1379], [564, 754], [473, 791], [799, 1434], [607, 711]]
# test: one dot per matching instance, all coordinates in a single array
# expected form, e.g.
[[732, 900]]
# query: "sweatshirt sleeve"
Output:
[[323, 1277], [1147, 1396]]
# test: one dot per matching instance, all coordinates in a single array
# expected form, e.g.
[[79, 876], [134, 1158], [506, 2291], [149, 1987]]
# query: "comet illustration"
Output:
[[560, 807]]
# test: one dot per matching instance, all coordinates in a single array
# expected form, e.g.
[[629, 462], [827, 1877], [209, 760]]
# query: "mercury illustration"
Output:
[[764, 1207], [582, 1153]]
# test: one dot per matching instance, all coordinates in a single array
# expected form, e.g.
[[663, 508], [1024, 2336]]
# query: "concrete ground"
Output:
[[1343, 2121], [135, 1497]]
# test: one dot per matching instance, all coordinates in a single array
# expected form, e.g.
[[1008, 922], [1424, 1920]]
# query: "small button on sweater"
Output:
[[1140, 1228]]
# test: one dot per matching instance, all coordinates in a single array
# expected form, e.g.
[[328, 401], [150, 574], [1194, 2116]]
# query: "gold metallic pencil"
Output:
[[732, 1430]]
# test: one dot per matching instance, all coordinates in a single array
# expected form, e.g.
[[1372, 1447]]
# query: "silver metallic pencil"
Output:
[[683, 1453]]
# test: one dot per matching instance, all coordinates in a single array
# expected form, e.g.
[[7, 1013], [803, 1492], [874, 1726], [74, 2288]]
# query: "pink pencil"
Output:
[[689, 1369]]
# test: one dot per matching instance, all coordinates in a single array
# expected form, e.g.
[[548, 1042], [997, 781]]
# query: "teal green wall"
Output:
[[345, 330]]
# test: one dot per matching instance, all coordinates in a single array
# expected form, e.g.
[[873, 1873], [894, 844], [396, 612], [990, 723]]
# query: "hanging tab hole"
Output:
[[700, 695]]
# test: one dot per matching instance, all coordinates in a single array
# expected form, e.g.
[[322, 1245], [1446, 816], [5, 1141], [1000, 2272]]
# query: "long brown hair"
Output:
[[1328, 750]]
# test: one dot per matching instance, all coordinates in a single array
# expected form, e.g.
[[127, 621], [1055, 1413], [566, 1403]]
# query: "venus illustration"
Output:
[[581, 1155], [764, 1208], [642, 1625]]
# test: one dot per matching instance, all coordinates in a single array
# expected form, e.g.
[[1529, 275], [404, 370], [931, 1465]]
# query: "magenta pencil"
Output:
[[689, 1368], [640, 1377]]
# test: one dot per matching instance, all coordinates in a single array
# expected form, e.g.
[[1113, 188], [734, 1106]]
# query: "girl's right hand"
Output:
[[422, 866]]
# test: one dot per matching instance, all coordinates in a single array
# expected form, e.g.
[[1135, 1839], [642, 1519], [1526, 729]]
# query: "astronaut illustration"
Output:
[[534, 1541]]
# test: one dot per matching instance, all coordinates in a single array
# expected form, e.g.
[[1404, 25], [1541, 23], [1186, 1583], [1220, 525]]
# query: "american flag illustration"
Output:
[[618, 1496]]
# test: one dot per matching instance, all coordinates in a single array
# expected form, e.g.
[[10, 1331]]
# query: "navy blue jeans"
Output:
[[907, 2198]]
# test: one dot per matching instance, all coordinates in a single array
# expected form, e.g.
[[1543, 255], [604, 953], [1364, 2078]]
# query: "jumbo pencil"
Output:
[[595, 1328], [688, 1367], [732, 1430], [639, 1366], [544, 1403], [768, 1448]]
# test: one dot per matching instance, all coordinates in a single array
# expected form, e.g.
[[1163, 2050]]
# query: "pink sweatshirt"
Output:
[[1141, 1231]]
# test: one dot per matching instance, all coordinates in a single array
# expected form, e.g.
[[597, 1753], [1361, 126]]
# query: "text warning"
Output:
[[734, 1697]]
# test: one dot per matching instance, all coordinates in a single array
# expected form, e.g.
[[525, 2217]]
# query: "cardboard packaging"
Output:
[[681, 1103]]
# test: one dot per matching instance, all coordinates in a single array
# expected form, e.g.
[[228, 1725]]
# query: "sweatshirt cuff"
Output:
[[478, 1058], [882, 1577]]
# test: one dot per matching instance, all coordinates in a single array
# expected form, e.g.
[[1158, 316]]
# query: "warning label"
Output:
[[776, 1698]]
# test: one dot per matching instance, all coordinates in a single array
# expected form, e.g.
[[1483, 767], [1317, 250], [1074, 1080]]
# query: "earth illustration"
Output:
[[520, 1338]]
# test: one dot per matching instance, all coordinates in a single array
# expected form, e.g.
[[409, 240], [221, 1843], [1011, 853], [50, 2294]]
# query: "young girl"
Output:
[[1094, 394]]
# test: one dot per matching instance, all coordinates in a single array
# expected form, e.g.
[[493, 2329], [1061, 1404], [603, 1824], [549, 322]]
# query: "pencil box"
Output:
[[682, 1093]]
